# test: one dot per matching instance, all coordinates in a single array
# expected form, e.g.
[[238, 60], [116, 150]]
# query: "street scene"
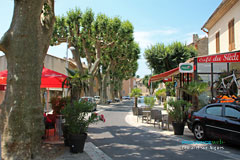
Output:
[[118, 79]]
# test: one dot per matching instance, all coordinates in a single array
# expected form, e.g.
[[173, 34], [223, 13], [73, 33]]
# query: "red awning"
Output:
[[163, 75], [50, 78]]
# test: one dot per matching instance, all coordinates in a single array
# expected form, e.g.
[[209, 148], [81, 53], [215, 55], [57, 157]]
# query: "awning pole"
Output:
[[47, 97]]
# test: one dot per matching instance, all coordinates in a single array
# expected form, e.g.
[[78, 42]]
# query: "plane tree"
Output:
[[163, 58], [89, 35], [25, 45], [125, 68]]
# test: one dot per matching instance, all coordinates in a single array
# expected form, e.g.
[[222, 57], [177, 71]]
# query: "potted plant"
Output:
[[161, 95], [178, 113], [78, 117], [195, 89], [150, 101], [136, 92]]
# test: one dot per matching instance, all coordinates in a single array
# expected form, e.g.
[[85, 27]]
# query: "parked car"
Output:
[[126, 97], [109, 101], [90, 100], [117, 99], [218, 120], [97, 99]]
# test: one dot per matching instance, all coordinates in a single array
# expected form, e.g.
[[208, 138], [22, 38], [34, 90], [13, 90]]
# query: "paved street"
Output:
[[121, 139]]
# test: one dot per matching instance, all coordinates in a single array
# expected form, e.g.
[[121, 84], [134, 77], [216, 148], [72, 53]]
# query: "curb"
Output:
[[94, 152]]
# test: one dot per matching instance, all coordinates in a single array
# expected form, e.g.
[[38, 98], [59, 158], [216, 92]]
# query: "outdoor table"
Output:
[[147, 114]]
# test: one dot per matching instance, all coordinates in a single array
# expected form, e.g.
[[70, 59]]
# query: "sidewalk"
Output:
[[132, 120], [91, 152]]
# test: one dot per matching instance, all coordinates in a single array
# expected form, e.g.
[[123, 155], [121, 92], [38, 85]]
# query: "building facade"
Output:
[[223, 28], [200, 44]]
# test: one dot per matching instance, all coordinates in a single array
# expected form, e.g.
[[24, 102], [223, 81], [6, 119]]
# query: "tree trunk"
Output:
[[112, 92], [90, 87], [136, 98], [99, 79], [25, 45], [120, 90]]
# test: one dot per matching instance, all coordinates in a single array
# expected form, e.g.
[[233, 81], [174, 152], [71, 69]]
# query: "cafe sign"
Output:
[[186, 67], [220, 58]]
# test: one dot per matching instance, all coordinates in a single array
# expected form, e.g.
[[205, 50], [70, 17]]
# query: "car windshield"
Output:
[[87, 99], [141, 100]]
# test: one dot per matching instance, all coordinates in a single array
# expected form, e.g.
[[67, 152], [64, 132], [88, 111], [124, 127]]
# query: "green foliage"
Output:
[[154, 84], [78, 117], [136, 92], [170, 88], [195, 88], [76, 82], [164, 58], [178, 110], [149, 101], [161, 93], [59, 103], [107, 43], [165, 105]]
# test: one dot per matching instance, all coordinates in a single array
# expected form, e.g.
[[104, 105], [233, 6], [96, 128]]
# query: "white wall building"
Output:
[[223, 28]]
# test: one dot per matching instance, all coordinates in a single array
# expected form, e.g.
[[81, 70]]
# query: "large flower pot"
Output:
[[77, 142], [178, 128], [134, 109], [65, 135]]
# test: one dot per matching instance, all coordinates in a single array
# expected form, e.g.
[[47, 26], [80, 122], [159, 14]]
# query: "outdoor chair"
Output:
[[146, 115], [139, 112], [156, 115], [166, 119], [50, 121]]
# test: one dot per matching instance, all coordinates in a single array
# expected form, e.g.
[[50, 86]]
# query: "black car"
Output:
[[218, 120]]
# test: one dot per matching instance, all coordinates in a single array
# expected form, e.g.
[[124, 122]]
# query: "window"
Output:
[[214, 110], [232, 112], [217, 42], [231, 35]]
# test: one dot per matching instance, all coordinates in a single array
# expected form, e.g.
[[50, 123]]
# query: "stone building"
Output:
[[200, 44]]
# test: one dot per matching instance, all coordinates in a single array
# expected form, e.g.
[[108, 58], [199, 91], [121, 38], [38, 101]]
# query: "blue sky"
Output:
[[154, 21]]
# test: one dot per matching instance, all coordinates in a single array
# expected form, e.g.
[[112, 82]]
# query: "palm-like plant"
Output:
[[136, 92], [195, 88], [76, 83]]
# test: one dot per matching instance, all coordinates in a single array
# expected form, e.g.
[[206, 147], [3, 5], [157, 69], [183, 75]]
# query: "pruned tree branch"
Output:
[[3, 43], [108, 45], [76, 57], [48, 16], [60, 41]]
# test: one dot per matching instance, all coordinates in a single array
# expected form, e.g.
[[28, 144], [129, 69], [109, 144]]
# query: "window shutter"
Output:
[[217, 42], [231, 35]]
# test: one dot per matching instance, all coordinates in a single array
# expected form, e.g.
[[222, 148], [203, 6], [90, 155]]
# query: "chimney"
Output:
[[195, 38]]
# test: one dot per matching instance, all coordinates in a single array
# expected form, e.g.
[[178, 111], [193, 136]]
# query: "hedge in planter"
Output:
[[178, 112], [78, 117]]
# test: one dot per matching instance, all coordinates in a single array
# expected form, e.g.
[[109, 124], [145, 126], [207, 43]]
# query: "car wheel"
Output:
[[199, 132]]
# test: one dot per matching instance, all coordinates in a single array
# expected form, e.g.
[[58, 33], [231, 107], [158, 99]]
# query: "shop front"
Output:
[[212, 69]]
